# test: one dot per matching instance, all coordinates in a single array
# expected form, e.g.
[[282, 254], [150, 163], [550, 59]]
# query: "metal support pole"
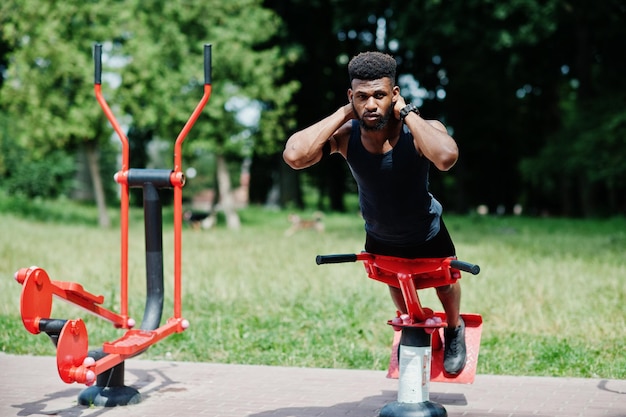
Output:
[[109, 390], [414, 379], [153, 220]]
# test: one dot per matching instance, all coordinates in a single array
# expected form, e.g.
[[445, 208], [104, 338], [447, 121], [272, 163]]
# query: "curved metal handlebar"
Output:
[[351, 257], [97, 55], [408, 275]]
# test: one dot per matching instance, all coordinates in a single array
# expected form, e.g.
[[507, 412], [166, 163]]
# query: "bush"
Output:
[[48, 178]]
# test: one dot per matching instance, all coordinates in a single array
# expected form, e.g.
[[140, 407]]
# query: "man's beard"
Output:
[[382, 122]]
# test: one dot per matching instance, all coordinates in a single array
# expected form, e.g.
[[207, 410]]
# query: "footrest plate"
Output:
[[132, 342], [77, 290], [473, 330]]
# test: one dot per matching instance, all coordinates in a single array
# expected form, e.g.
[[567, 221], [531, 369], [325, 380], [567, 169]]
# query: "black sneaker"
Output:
[[455, 351]]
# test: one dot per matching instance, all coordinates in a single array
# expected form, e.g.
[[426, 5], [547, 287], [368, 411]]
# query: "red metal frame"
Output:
[[178, 180], [36, 298], [120, 178], [38, 290], [411, 275]]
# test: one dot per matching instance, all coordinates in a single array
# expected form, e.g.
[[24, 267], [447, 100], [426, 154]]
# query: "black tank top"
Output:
[[393, 191]]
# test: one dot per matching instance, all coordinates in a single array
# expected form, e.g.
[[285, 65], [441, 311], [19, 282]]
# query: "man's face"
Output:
[[373, 102]]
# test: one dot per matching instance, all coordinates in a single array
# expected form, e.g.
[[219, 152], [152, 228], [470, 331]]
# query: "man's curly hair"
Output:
[[370, 66]]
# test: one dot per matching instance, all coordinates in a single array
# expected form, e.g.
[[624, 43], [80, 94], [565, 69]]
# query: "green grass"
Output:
[[551, 291]]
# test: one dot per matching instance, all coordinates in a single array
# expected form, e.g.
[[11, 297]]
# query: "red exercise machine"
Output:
[[105, 366], [417, 352]]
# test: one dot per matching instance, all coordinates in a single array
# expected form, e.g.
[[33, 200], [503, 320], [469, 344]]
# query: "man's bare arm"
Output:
[[305, 147], [431, 139]]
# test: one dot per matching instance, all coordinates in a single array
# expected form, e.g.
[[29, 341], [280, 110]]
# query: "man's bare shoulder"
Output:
[[341, 137]]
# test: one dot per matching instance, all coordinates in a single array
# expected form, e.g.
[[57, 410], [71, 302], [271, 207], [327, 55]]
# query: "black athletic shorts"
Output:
[[440, 246]]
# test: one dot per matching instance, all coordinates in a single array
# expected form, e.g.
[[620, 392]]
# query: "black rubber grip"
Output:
[[465, 266], [207, 63], [335, 259], [51, 326], [160, 178], [97, 57]]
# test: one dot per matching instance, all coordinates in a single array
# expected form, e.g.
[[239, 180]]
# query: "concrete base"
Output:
[[423, 409], [109, 396]]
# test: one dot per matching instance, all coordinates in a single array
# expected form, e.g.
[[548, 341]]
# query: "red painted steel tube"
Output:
[[178, 193], [178, 202], [120, 177]]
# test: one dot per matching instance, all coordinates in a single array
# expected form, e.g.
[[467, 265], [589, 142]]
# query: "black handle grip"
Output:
[[207, 63], [465, 266], [335, 259], [97, 56]]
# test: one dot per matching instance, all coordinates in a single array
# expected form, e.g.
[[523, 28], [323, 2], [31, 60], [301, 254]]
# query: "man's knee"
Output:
[[445, 289]]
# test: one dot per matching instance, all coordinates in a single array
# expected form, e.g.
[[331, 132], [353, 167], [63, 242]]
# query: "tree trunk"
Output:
[[96, 180], [290, 193], [336, 180], [226, 202]]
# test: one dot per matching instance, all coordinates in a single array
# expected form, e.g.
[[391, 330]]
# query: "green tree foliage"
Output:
[[162, 81], [48, 93], [533, 90], [152, 74], [313, 28], [49, 88], [580, 160], [509, 79]]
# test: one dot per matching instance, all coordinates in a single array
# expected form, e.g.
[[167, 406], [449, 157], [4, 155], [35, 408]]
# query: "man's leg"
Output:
[[398, 299], [454, 335], [450, 297]]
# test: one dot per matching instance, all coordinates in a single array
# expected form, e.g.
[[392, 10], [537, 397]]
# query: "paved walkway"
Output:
[[30, 386]]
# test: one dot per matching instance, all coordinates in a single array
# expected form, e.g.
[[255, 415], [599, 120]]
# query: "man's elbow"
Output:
[[446, 162], [292, 160]]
